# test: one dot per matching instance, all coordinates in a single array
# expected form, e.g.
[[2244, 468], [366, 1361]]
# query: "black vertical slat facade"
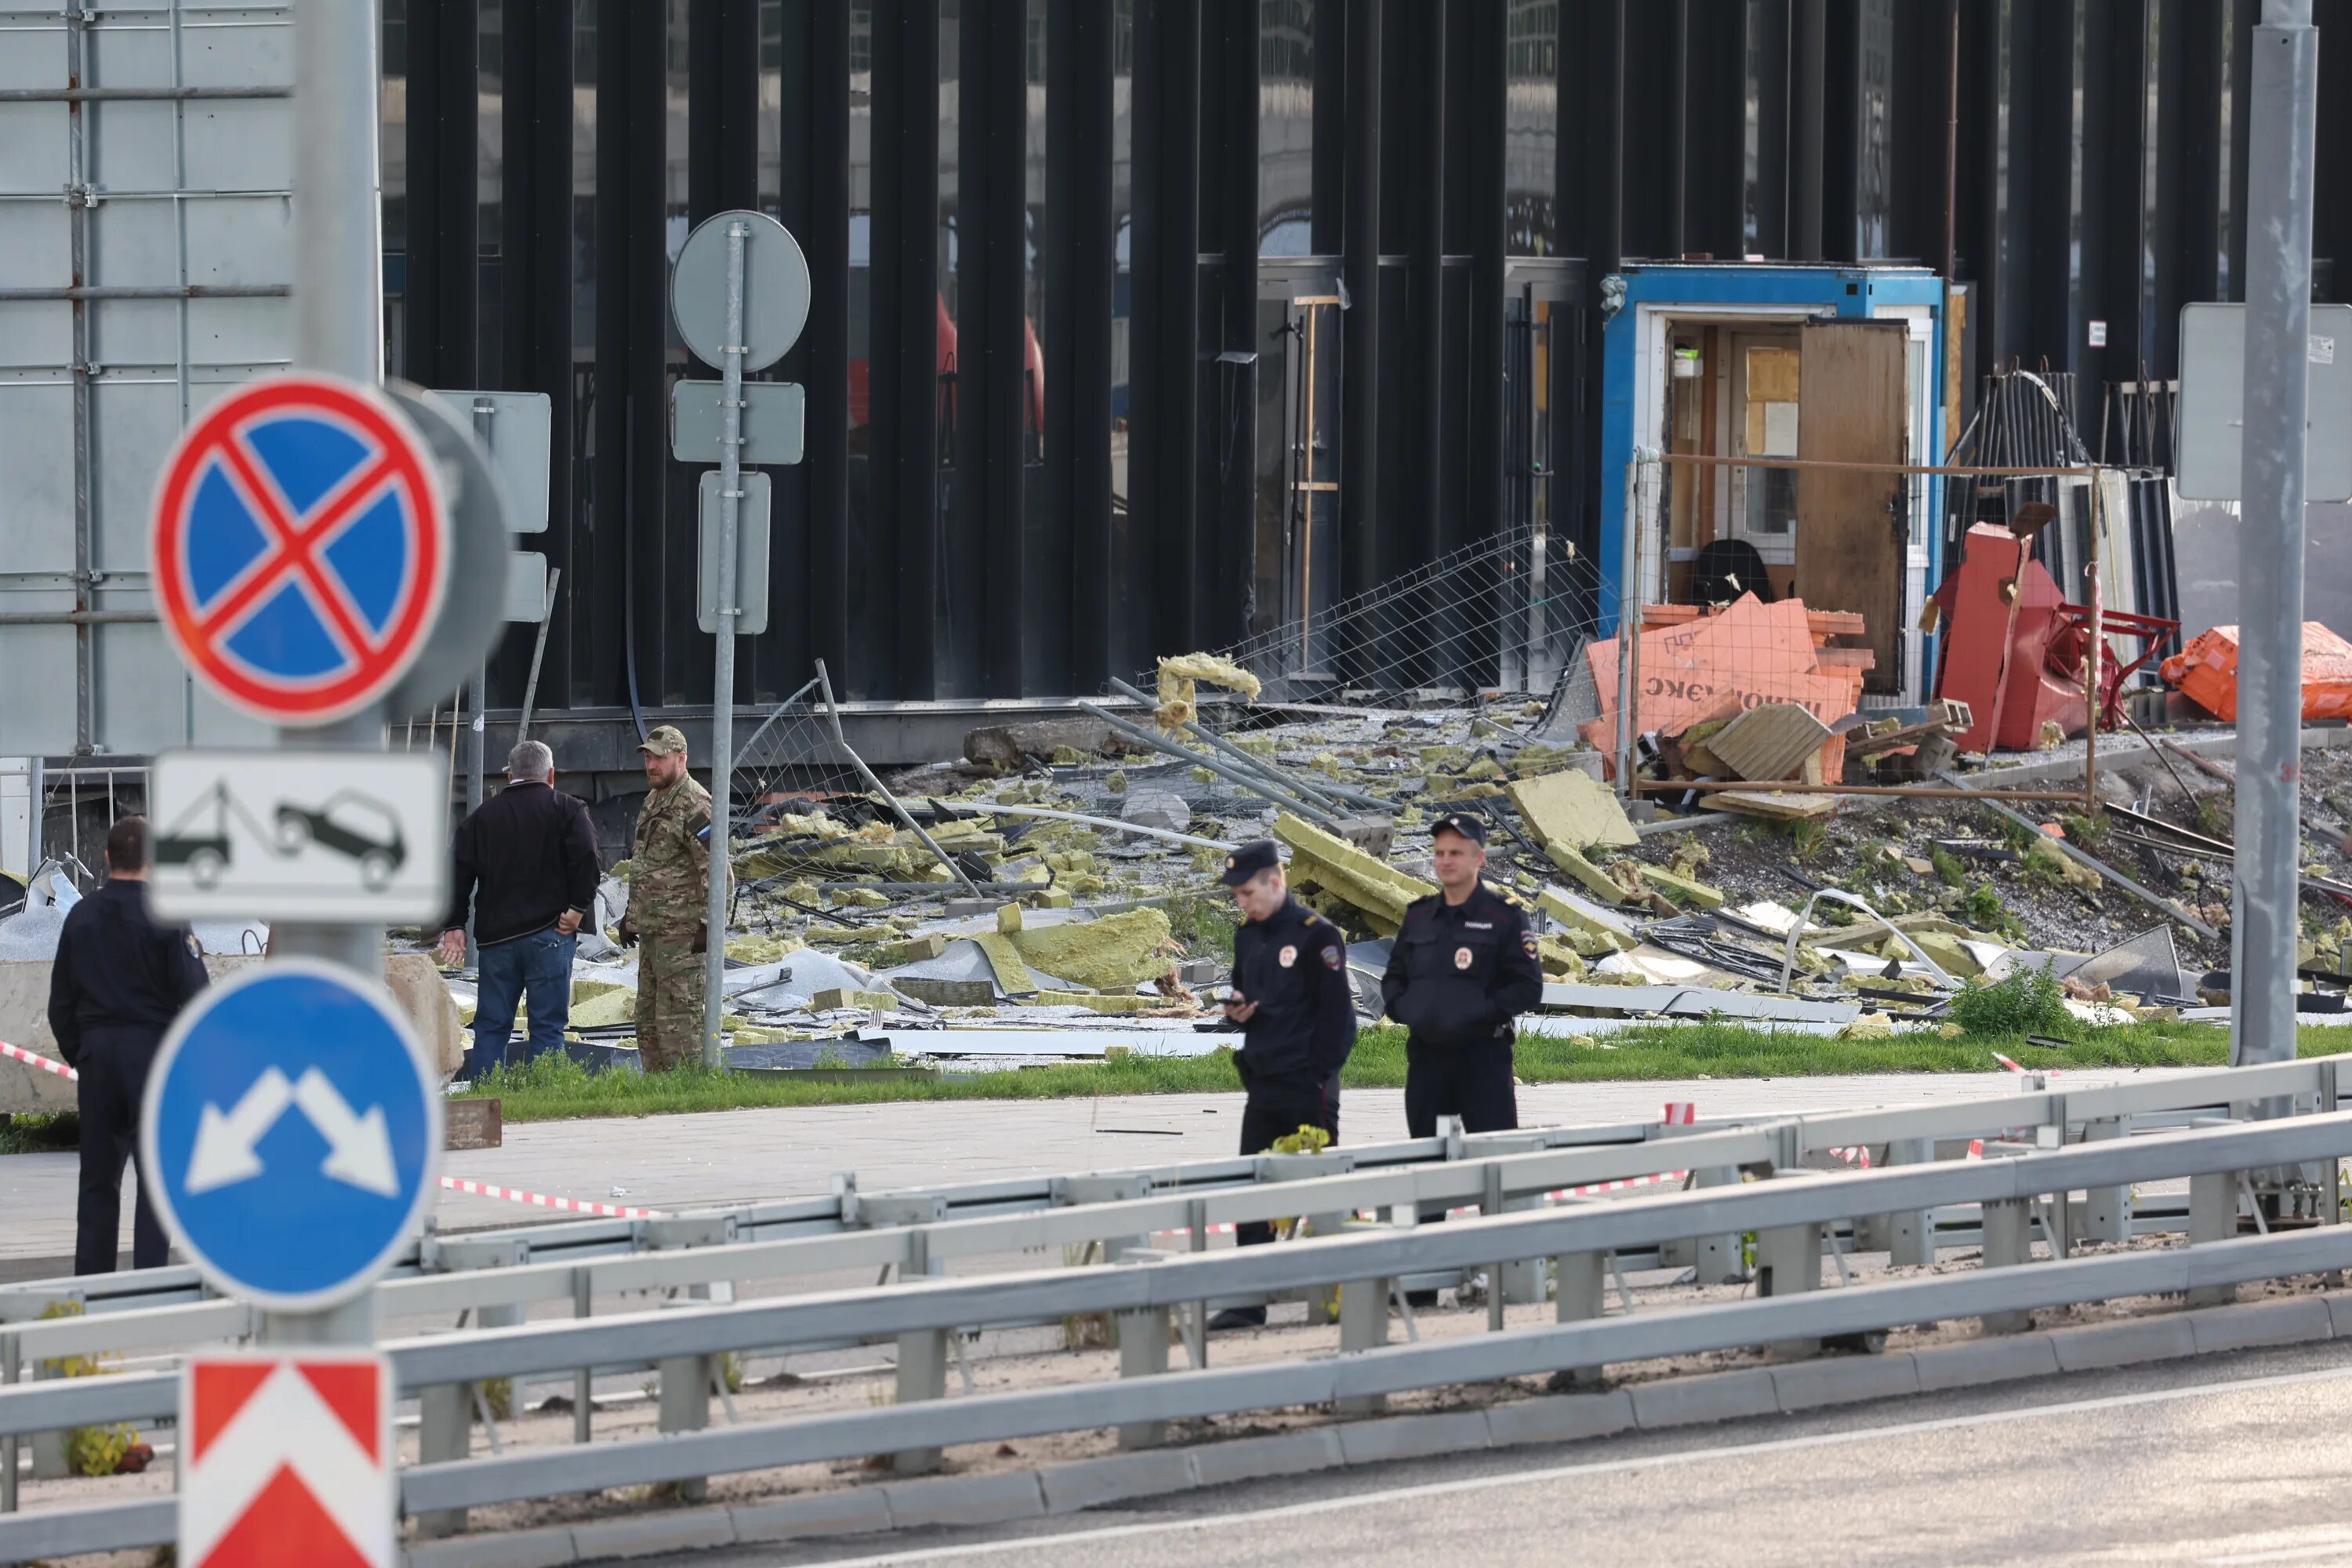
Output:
[[442, 307], [2079, 164]]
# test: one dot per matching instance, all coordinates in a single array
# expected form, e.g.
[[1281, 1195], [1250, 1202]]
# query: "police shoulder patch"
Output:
[[1528, 941], [1334, 956]]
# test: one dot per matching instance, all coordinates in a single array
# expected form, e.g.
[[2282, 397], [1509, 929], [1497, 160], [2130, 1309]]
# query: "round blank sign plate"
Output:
[[775, 289]]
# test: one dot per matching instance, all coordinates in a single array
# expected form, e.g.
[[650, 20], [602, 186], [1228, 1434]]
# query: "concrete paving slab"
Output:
[[2122, 1343], [653, 1534], [522, 1549], [1279, 1454], [1412, 1436], [1715, 1396], [1844, 1380], [1560, 1417], [2000, 1359], [1091, 1483], [965, 1499], [2292, 1321], [848, 1512]]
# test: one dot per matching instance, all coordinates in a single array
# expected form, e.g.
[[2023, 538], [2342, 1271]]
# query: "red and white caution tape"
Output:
[[36, 1060], [540, 1200]]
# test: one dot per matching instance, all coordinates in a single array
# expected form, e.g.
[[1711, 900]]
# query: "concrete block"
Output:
[[2125, 1343], [1844, 1380], [1298, 1453], [847, 1512], [520, 1549], [1711, 1396], [1090, 1483], [1559, 1417], [2340, 1309], [1972, 1361], [965, 1499], [657, 1534], [2293, 1319], [1410, 1436]]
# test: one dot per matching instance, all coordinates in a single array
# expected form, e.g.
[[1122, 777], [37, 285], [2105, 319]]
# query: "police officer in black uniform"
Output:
[[1463, 968], [118, 982], [1291, 995]]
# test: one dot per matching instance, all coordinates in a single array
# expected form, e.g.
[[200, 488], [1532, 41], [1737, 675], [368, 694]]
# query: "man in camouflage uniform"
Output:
[[668, 889]]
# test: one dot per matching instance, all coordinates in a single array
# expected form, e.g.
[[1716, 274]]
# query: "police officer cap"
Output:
[[1461, 822], [1248, 861]]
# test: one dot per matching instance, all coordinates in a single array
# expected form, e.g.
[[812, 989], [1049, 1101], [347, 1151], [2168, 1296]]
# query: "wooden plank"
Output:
[[1845, 659], [1820, 623], [1853, 399], [1776, 805]]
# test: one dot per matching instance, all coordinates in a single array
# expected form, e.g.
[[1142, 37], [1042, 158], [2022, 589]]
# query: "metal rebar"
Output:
[[2155, 901], [1231, 775], [832, 717]]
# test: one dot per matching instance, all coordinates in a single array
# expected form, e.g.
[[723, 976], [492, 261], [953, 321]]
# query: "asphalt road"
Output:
[[2238, 1460]]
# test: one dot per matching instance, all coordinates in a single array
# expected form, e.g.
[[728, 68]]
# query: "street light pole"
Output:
[[2284, 108]]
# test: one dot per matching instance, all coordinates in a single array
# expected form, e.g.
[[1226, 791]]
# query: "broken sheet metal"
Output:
[[1690, 1001], [961, 1041], [1804, 918]]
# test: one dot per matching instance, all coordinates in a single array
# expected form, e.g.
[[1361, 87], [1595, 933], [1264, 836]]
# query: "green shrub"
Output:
[[2027, 1002]]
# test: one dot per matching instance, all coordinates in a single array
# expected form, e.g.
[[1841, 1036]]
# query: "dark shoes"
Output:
[[1237, 1318]]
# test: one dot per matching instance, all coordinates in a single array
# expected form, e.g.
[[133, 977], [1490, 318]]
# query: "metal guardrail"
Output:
[[1785, 1213]]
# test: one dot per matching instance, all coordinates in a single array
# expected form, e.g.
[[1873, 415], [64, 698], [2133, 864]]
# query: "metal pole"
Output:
[[338, 328], [477, 697], [538, 652], [2265, 929], [37, 789], [722, 692], [1629, 622]]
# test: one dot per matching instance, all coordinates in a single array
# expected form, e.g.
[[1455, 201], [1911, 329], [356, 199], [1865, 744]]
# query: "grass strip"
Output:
[[555, 1088]]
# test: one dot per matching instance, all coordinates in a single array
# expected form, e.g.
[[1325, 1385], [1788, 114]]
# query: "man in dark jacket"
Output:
[[118, 982], [1298, 1012], [526, 866], [1463, 968]]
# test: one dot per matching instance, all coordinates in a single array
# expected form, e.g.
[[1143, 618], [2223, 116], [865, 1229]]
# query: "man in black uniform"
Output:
[[1463, 968], [118, 982], [1291, 996]]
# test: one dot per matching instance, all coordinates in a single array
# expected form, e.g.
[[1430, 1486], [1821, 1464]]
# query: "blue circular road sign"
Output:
[[292, 1133]]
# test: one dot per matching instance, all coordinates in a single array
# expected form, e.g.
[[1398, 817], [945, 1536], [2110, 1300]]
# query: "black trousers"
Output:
[[1277, 1111], [1472, 1083], [114, 1067]]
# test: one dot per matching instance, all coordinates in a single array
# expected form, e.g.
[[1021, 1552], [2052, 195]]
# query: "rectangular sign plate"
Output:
[[2213, 404], [518, 428], [775, 418], [526, 586], [750, 556], [312, 836]]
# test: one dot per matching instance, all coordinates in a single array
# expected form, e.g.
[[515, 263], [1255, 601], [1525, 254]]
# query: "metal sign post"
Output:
[[747, 261], [722, 687], [2265, 930]]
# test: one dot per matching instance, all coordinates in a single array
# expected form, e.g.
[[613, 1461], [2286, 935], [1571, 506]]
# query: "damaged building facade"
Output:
[[1146, 326]]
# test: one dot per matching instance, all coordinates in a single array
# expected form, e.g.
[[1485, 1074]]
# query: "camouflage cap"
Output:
[[662, 741]]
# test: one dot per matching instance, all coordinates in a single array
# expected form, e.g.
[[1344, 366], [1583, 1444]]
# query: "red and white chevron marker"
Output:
[[289, 1462]]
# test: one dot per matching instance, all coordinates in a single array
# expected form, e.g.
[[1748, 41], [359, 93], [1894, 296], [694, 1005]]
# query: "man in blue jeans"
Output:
[[526, 870]]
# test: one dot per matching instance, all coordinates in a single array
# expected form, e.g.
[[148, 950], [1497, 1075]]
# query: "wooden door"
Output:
[[1854, 406]]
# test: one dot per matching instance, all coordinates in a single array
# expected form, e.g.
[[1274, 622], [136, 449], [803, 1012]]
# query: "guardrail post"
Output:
[[1363, 1326], [1143, 1352], [1908, 1236], [2007, 1230], [2212, 1217], [1789, 1263], [684, 1382], [2105, 1214], [1071, 1192], [446, 1411], [1516, 1284], [922, 1361], [1712, 1259], [1581, 1292], [11, 1365]]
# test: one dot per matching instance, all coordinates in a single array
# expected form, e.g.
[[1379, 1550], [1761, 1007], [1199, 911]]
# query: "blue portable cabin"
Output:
[[1708, 357]]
